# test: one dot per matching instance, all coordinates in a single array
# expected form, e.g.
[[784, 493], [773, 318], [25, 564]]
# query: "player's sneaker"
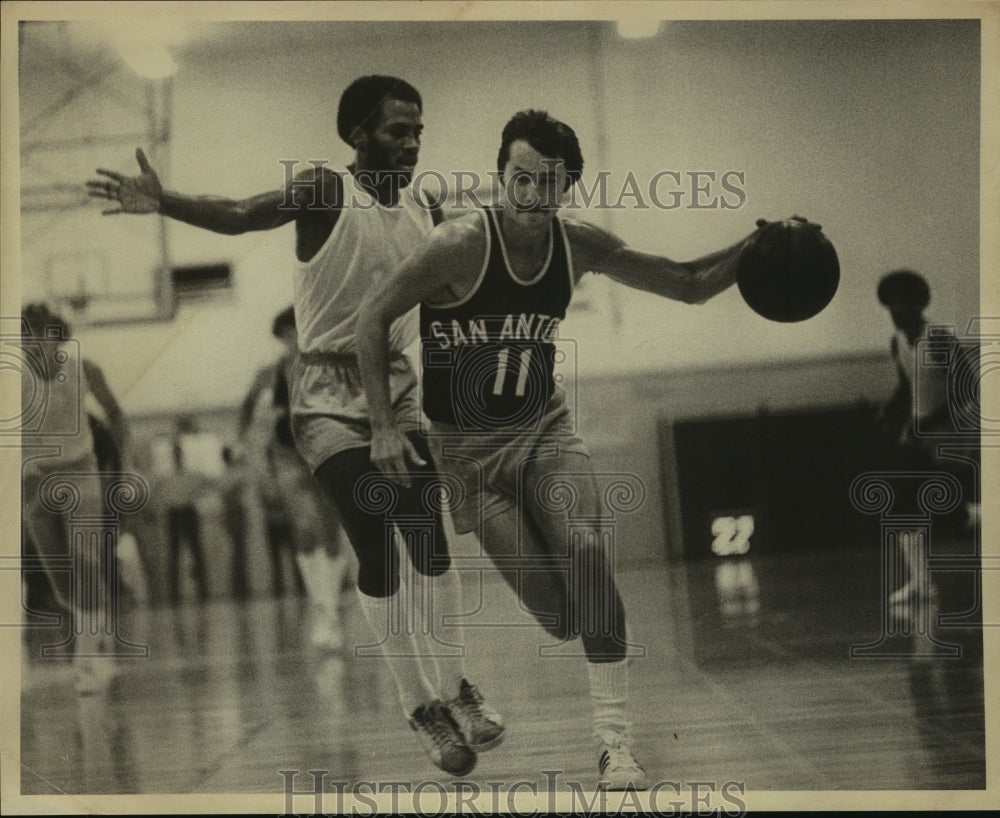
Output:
[[481, 726], [619, 769], [441, 739]]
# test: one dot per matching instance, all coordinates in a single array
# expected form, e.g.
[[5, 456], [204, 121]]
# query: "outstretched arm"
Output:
[[145, 194], [693, 282], [441, 270]]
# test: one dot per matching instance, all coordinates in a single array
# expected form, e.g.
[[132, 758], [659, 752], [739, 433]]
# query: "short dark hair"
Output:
[[363, 98], [904, 285], [37, 318], [550, 137], [282, 321]]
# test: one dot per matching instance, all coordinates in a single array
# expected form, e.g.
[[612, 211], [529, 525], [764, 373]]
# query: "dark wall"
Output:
[[790, 471]]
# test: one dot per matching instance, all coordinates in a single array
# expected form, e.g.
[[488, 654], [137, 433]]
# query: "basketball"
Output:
[[789, 271]]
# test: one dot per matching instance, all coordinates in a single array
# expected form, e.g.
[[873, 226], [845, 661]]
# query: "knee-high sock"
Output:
[[398, 649], [434, 598], [322, 575], [609, 693]]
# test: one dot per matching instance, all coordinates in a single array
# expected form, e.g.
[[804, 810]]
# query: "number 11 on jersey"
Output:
[[522, 372]]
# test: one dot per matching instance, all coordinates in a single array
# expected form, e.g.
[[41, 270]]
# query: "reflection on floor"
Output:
[[748, 677]]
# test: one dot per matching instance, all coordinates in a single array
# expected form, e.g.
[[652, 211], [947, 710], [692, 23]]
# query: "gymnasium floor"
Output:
[[231, 694]]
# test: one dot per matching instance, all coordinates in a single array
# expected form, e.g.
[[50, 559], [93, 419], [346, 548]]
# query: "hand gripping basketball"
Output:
[[134, 194], [788, 270]]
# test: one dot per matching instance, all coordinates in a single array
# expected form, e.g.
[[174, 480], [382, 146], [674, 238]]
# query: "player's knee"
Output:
[[559, 627], [375, 580]]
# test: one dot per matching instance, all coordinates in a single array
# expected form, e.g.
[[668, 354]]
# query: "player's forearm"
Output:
[[692, 282], [214, 213], [712, 274], [373, 360]]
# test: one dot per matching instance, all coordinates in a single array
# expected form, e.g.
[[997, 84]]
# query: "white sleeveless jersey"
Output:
[[929, 386], [54, 413], [368, 243]]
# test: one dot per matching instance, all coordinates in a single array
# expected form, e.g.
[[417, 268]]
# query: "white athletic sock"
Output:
[[311, 572], [609, 693], [398, 650], [335, 567], [322, 575], [438, 597]]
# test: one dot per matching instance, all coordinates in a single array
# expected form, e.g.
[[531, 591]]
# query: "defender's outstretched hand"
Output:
[[134, 194]]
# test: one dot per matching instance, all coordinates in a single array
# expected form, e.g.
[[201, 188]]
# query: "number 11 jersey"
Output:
[[488, 358]]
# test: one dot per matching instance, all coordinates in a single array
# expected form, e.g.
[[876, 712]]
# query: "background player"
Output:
[[492, 288], [62, 443], [351, 228], [315, 528], [920, 416]]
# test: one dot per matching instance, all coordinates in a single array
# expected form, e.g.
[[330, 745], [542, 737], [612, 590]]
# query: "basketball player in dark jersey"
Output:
[[492, 288], [352, 225]]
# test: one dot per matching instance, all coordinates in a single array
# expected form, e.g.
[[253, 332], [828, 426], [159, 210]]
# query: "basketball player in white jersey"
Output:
[[58, 387], [492, 288], [352, 228], [919, 416]]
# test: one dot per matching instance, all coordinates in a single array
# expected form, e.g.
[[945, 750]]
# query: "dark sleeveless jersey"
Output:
[[488, 359]]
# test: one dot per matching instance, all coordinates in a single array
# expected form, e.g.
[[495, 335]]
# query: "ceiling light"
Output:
[[637, 28], [144, 45]]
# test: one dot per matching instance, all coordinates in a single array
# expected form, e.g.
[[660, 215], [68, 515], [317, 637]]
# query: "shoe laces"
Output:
[[617, 754], [472, 701], [435, 721]]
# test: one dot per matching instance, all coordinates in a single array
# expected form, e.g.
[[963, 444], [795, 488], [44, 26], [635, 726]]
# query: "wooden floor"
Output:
[[748, 677]]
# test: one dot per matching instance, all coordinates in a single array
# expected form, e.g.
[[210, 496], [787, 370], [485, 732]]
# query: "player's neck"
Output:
[[524, 233], [382, 185], [914, 330]]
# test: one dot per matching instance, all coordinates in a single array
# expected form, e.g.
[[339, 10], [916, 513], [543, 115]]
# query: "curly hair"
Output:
[[904, 285], [363, 98]]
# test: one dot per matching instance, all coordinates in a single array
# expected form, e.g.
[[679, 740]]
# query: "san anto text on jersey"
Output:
[[493, 329]]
